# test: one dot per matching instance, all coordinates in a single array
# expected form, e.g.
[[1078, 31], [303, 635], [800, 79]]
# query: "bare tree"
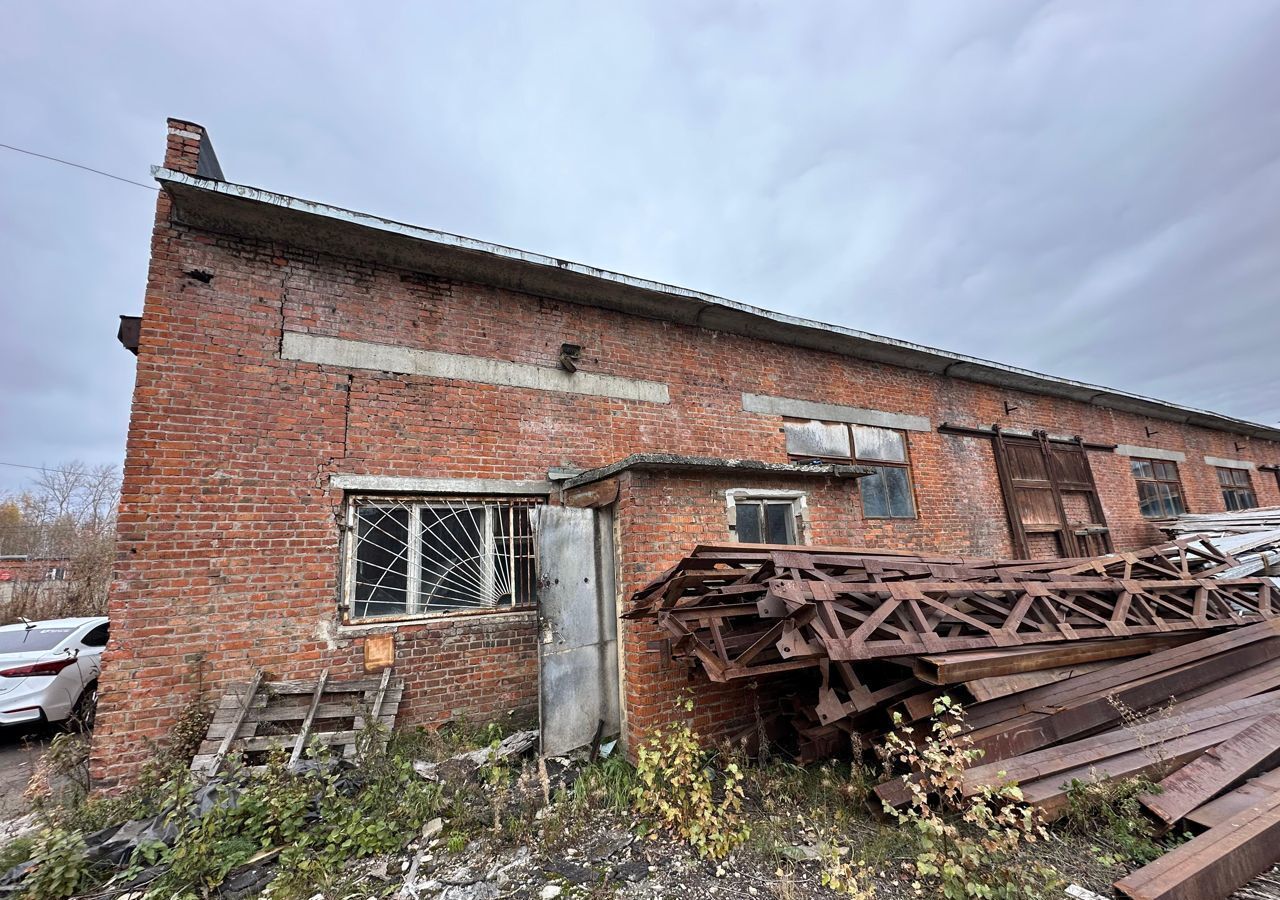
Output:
[[65, 518]]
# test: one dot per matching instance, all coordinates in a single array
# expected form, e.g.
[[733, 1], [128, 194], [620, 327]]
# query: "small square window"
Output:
[[766, 518]]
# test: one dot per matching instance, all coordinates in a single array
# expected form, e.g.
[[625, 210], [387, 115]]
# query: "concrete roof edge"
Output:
[[654, 299], [677, 463]]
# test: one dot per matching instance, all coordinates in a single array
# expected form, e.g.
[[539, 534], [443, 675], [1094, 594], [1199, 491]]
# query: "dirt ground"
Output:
[[20, 750]]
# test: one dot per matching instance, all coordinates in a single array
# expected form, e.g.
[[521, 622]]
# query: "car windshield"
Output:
[[27, 640]]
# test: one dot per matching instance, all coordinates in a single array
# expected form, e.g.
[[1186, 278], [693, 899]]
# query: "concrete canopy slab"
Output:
[[670, 462]]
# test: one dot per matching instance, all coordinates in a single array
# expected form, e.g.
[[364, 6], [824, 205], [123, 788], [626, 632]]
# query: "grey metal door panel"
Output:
[[578, 669]]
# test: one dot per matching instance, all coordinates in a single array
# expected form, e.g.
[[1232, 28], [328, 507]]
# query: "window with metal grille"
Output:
[[424, 555], [1159, 490], [886, 494], [1237, 488]]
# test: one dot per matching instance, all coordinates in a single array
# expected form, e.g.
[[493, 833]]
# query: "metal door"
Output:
[[578, 646], [1049, 492]]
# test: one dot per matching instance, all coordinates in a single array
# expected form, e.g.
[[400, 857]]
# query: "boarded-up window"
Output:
[[1237, 488], [817, 440], [1052, 500], [1159, 490]]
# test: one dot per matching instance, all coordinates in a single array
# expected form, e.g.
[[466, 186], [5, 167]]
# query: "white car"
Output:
[[49, 670]]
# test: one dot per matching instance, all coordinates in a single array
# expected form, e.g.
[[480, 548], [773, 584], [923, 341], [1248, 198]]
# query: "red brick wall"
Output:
[[660, 516], [228, 552]]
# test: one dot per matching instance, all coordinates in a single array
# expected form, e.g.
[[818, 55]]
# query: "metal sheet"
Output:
[[578, 667]]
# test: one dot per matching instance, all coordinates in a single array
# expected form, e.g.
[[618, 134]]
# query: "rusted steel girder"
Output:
[[743, 611], [799, 619], [1215, 863]]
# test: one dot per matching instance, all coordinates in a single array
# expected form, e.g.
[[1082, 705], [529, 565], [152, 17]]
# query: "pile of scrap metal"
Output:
[[1252, 536], [1153, 663]]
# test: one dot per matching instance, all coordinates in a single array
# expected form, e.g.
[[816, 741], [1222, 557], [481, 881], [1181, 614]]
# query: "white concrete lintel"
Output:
[[709, 311], [831, 412], [400, 484], [351, 354], [1150, 453], [1223, 463]]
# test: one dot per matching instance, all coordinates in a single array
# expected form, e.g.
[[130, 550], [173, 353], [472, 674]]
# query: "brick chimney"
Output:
[[189, 150]]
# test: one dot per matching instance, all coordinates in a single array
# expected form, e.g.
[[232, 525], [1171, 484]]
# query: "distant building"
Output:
[[31, 578]]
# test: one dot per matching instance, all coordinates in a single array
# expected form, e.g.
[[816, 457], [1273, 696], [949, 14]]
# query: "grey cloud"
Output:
[[1090, 188]]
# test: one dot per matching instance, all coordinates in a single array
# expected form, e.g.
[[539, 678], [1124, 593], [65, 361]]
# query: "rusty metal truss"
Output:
[[746, 610]]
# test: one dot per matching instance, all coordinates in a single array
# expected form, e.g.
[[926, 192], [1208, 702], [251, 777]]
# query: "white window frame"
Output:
[[413, 556], [799, 501]]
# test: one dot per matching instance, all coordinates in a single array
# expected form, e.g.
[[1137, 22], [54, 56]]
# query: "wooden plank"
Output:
[[1260, 679], [210, 767], [229, 707], [281, 741], [1050, 794], [301, 741], [342, 709], [276, 706], [279, 718], [338, 687], [1219, 769], [1215, 863], [1110, 677], [374, 709]]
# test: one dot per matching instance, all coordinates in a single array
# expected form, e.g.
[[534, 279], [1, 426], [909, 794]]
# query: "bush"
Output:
[[315, 819], [318, 819], [1107, 811], [60, 865], [965, 846], [678, 784]]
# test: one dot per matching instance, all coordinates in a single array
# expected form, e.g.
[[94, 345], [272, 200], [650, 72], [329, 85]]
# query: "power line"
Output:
[[41, 468], [150, 187]]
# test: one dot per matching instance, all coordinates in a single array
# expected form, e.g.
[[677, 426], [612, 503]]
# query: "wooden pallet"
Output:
[[258, 717]]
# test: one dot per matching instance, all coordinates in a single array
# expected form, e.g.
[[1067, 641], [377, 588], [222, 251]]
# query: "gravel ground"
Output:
[[20, 750]]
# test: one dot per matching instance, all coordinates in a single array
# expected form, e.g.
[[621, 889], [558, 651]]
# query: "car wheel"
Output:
[[85, 710]]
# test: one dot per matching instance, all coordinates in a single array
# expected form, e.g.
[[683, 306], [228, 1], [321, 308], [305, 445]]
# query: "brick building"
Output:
[[345, 427], [31, 582]]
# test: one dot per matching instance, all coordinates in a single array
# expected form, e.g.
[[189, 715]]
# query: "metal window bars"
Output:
[[423, 555]]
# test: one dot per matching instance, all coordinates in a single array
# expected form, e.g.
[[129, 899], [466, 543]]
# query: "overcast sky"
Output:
[[1088, 189]]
